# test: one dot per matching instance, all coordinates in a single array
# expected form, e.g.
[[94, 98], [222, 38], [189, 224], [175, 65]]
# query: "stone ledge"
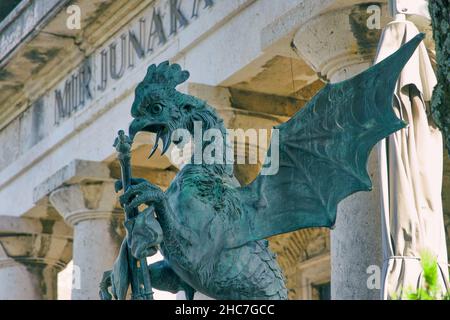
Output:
[[19, 226], [34, 241], [85, 201], [75, 172], [23, 21], [73, 218]]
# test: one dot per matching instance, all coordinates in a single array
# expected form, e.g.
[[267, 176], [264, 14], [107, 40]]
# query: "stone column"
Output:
[[32, 252], [90, 208], [339, 45]]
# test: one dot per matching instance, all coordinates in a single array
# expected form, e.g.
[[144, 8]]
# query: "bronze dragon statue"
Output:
[[210, 230]]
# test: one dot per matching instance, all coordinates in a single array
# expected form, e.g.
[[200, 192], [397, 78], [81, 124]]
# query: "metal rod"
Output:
[[141, 288]]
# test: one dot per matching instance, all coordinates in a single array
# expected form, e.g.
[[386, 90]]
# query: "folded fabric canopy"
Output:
[[411, 167]]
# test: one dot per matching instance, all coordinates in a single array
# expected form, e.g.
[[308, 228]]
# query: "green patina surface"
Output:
[[210, 230], [6, 6]]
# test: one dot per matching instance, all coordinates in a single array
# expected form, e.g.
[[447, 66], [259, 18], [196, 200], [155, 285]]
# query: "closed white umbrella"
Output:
[[411, 166]]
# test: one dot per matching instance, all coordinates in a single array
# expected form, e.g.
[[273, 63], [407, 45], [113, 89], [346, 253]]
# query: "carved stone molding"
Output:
[[36, 240], [32, 252], [75, 172], [297, 248], [315, 271], [340, 41], [85, 201], [89, 205]]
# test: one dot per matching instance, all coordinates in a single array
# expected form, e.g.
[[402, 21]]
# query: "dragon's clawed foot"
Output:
[[105, 284]]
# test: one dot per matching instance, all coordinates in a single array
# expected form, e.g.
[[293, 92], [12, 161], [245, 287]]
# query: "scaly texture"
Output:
[[213, 229]]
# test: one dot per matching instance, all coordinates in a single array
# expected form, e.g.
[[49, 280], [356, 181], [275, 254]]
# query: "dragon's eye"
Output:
[[156, 108]]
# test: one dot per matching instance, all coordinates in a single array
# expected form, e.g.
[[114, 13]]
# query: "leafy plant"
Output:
[[431, 289]]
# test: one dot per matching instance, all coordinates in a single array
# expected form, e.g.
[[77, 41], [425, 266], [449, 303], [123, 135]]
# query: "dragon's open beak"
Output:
[[145, 125]]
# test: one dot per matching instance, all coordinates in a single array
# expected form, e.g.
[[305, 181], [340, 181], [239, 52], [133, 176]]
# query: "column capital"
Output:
[[81, 190], [341, 42], [32, 252], [90, 208], [34, 242], [86, 201], [77, 171]]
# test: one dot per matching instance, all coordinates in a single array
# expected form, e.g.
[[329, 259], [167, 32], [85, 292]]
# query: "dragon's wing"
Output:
[[323, 154]]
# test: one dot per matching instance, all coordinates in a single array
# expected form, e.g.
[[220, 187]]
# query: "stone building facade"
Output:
[[66, 89]]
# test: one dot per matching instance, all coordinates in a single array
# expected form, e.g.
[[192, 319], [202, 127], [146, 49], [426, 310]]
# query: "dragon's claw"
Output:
[[142, 193], [145, 198], [134, 181]]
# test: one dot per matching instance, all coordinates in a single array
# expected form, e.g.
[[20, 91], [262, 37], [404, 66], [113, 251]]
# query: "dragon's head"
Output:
[[159, 108]]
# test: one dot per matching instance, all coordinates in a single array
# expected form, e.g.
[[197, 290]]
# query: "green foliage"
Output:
[[430, 290]]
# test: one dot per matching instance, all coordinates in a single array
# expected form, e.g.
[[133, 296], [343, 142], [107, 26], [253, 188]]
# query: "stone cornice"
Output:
[[35, 20], [75, 217], [345, 39], [56, 263], [101, 27], [87, 200], [17, 226], [100, 19], [6, 262], [34, 241], [75, 172], [174, 48], [287, 25]]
